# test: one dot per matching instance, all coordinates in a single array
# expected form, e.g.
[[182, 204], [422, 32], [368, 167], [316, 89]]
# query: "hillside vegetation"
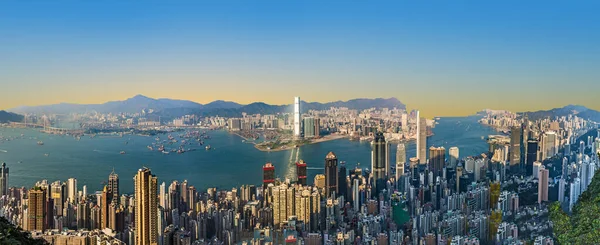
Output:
[[12, 235], [583, 226]]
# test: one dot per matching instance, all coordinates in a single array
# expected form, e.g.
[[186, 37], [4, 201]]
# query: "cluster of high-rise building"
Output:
[[434, 197]]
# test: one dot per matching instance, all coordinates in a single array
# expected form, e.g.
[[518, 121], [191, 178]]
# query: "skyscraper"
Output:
[[515, 146], [268, 174], [309, 127], [331, 174], [297, 117], [543, 175], [549, 148], [379, 162], [105, 201], [72, 190], [113, 186], [421, 139], [561, 190], [3, 180], [400, 160], [437, 158], [146, 208], [454, 156], [531, 157], [342, 185], [301, 172], [317, 127], [36, 210], [57, 194]]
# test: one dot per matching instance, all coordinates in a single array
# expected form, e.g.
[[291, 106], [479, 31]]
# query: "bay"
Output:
[[230, 163]]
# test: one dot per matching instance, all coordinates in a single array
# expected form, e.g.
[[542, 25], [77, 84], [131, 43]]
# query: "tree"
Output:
[[12, 235], [583, 226]]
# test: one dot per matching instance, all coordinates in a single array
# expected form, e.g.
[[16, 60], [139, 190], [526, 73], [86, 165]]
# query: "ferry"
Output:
[[40, 143]]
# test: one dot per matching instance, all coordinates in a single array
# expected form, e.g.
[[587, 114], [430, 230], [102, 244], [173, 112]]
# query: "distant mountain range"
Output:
[[580, 111], [6, 117], [173, 108]]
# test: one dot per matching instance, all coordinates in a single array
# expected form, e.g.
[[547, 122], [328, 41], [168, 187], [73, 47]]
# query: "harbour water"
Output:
[[228, 164]]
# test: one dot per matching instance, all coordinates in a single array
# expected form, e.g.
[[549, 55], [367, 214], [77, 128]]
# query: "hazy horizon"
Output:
[[445, 59], [408, 107]]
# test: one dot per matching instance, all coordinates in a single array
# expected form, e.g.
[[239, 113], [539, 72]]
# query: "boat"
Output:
[[150, 148], [207, 147], [46, 154], [122, 152], [40, 143], [165, 152]]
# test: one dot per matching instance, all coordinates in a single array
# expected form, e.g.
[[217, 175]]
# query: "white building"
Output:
[[454, 155], [297, 132]]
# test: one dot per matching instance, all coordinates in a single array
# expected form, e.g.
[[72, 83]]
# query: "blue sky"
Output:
[[443, 57]]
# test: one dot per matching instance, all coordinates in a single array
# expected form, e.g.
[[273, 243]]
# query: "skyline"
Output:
[[451, 59]]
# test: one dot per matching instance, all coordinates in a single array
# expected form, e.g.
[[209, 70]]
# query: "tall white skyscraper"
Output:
[[574, 193], [454, 156], [297, 117], [84, 192], [561, 190], [72, 190]]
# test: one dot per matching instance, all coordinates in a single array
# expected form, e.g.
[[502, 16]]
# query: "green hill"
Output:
[[11, 235], [6, 117], [583, 226]]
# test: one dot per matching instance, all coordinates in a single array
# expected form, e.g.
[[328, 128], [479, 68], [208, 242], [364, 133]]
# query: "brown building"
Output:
[[543, 175], [36, 209], [105, 206], [146, 208]]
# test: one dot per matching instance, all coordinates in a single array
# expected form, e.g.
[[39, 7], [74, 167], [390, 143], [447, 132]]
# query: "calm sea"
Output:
[[230, 163]]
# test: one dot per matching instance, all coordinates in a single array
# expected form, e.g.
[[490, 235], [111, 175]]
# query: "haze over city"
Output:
[[519, 56]]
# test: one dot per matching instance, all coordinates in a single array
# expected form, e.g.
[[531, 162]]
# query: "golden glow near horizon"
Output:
[[447, 64], [457, 106]]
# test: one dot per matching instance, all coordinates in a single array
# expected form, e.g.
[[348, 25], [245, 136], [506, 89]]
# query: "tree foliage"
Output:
[[12, 235], [583, 226]]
